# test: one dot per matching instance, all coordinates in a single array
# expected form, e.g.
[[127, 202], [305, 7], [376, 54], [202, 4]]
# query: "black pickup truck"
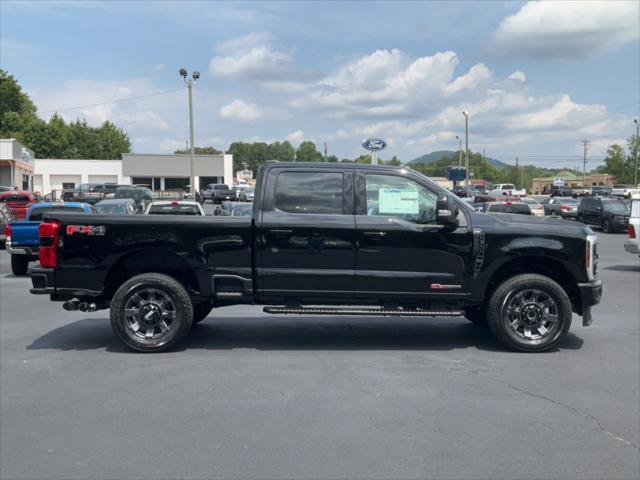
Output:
[[326, 239]]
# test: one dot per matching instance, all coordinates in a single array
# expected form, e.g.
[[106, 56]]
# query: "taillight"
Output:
[[632, 231], [565, 208], [49, 238], [8, 231]]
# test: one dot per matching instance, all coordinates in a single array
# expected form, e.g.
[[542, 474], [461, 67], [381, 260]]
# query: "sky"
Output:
[[536, 77]]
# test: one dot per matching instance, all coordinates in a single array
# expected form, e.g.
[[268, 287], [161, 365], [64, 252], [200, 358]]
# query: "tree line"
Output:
[[55, 138]]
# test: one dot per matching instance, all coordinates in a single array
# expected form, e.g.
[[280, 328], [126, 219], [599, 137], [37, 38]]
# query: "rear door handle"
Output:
[[375, 235], [281, 232]]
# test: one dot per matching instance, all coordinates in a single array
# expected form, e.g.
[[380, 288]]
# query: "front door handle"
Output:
[[281, 232], [377, 235]]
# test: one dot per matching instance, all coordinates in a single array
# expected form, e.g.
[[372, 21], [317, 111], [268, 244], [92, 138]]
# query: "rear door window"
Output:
[[310, 192]]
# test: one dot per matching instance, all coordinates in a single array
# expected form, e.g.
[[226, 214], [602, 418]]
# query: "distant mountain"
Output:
[[435, 156]]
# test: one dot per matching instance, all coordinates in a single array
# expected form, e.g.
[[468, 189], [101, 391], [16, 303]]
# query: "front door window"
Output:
[[399, 197]]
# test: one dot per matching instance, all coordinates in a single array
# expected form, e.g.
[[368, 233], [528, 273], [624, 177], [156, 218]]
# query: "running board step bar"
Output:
[[363, 311]]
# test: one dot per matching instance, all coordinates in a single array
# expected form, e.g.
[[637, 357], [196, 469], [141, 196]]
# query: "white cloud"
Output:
[[296, 137], [250, 57], [244, 42], [477, 74], [568, 29], [519, 76], [240, 111]]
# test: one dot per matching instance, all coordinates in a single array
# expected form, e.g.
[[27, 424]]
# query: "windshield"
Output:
[[620, 208], [221, 186], [177, 209], [112, 208]]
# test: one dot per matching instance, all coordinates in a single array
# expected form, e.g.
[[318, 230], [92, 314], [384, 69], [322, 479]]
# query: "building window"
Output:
[[68, 185], [143, 181], [157, 184], [25, 182], [172, 183]]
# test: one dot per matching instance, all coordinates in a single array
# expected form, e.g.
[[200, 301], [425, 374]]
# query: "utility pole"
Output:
[[484, 166], [460, 151], [195, 76], [585, 144], [517, 170], [637, 145], [466, 141], [325, 151]]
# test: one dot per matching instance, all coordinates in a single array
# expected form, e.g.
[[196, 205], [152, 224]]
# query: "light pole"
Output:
[[189, 81], [635, 172], [466, 144], [459, 151]]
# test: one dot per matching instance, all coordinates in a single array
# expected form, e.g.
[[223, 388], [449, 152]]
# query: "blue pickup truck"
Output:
[[22, 237]]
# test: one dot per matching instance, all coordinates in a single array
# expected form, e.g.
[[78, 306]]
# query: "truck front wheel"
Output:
[[19, 264], [151, 312], [529, 312]]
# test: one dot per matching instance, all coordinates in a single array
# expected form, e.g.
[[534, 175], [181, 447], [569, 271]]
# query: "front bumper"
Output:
[[590, 295]]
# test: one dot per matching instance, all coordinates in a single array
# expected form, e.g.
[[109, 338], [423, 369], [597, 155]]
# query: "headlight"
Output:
[[591, 256]]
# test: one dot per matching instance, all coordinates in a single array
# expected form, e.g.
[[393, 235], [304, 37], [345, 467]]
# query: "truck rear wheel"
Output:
[[151, 312], [529, 312], [19, 264]]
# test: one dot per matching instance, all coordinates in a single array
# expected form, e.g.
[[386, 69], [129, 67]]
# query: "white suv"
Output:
[[632, 245]]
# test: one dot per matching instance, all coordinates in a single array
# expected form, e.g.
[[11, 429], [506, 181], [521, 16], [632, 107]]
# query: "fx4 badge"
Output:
[[85, 230]]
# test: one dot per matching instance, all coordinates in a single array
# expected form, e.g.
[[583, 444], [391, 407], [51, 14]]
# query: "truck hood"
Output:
[[531, 225]]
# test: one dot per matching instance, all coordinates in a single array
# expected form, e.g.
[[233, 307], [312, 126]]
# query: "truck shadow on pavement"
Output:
[[624, 268], [282, 333]]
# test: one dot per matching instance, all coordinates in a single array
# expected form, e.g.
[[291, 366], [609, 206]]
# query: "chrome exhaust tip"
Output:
[[70, 305]]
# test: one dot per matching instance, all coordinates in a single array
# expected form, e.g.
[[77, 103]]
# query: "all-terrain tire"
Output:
[[499, 315], [19, 265], [159, 298]]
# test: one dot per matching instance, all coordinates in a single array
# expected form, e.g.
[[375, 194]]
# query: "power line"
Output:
[[118, 100]]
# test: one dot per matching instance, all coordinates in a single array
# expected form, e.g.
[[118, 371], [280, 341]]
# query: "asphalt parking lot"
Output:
[[258, 396]]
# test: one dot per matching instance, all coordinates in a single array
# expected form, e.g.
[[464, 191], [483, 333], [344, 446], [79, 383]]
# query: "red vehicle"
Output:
[[18, 201]]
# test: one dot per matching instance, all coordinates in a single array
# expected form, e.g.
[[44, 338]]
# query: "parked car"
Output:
[[502, 189], [565, 207], [327, 239], [141, 195], [245, 193], [118, 206], [174, 207], [601, 190], [519, 208], [7, 212], [609, 213], [18, 201], [465, 191], [89, 192], [238, 209], [4, 220], [625, 191], [561, 192], [580, 192], [537, 209], [218, 193], [22, 237], [632, 245], [5, 188]]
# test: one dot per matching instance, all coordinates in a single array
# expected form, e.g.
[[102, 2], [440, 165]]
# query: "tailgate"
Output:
[[25, 234]]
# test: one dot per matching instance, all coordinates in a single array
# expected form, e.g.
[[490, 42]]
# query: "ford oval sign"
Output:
[[374, 144]]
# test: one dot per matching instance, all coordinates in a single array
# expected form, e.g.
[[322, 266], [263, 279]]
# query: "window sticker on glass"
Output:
[[397, 200]]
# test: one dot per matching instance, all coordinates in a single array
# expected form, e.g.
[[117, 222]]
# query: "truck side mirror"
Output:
[[446, 213]]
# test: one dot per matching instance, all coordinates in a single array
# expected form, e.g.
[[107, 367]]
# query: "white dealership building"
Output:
[[159, 172]]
